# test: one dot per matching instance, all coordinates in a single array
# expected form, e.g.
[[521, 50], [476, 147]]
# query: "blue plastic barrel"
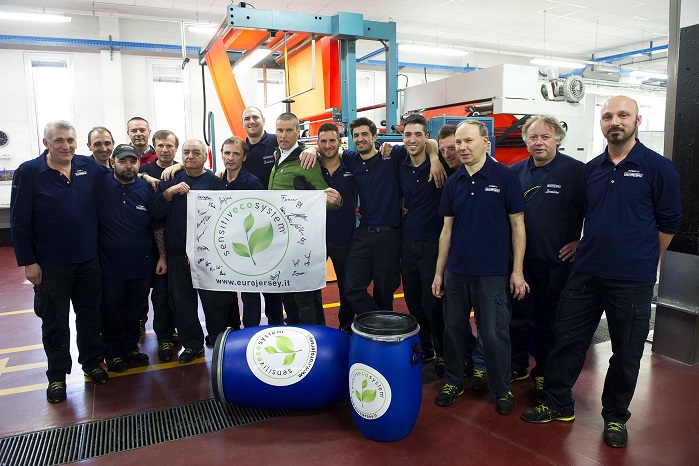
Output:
[[385, 377], [281, 367]]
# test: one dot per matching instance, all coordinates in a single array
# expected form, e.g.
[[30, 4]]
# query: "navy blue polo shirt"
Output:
[[481, 204], [53, 219], [377, 185], [627, 205], [175, 211], [153, 169], [244, 181], [422, 221], [340, 223], [554, 195], [260, 159], [126, 245]]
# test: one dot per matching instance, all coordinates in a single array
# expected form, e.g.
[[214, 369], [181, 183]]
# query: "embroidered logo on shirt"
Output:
[[492, 188], [633, 173], [80, 173], [140, 207], [347, 174], [552, 189]]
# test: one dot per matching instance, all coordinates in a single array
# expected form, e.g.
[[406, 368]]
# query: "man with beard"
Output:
[[632, 212], [127, 256]]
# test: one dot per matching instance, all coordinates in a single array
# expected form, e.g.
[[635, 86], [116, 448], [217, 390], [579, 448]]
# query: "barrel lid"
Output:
[[385, 323]]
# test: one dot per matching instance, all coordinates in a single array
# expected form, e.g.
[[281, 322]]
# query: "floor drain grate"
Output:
[[114, 435]]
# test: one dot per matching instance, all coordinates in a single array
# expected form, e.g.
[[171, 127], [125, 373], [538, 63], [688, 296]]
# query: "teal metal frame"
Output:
[[347, 28]]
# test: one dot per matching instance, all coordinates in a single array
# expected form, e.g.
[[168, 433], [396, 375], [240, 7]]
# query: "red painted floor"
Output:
[[663, 429]]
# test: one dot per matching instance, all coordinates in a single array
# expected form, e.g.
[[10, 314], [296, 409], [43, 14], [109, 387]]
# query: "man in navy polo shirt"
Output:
[[234, 152], [127, 255], [480, 203], [340, 223], [100, 142], [53, 218], [420, 229], [170, 203], [259, 162], [632, 212], [138, 131], [554, 196]]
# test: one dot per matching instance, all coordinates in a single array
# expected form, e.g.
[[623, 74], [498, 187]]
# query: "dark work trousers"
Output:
[[163, 310], [304, 307], [252, 309], [80, 284], [627, 306], [122, 302], [184, 301], [338, 252], [474, 344], [221, 311], [374, 255], [534, 316], [488, 295], [418, 263]]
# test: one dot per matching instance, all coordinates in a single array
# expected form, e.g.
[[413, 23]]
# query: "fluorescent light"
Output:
[[250, 59], [202, 28], [433, 50], [648, 74], [39, 17], [558, 63]]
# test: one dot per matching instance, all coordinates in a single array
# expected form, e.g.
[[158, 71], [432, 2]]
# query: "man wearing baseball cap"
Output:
[[127, 252]]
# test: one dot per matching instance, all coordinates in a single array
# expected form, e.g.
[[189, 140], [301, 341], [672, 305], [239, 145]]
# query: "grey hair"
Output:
[[548, 120], [199, 143], [482, 130], [57, 124]]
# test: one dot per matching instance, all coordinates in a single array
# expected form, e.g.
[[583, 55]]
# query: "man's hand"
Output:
[[333, 196], [567, 252], [358, 213], [403, 210], [170, 172], [33, 273], [385, 149], [518, 286], [438, 286], [161, 266], [153, 182], [179, 189], [308, 157]]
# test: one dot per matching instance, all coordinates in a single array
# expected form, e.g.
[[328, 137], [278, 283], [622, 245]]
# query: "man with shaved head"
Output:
[[632, 197]]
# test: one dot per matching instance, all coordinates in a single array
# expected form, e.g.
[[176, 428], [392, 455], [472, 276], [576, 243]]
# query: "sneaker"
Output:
[[468, 370], [116, 365], [141, 327], [615, 434], [539, 395], [518, 375], [137, 357], [543, 414], [448, 394], [439, 367], [176, 339], [505, 404], [189, 354], [98, 376], [479, 380], [56, 392], [428, 355], [165, 352]]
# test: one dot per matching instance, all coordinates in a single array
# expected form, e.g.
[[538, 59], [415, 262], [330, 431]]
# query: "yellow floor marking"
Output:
[[331, 305], [21, 367], [9, 313], [18, 349]]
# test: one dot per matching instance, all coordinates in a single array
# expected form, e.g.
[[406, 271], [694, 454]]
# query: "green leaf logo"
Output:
[[285, 345], [257, 241], [365, 395]]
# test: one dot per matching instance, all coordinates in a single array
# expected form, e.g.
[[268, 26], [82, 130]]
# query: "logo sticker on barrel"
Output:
[[281, 356], [369, 391]]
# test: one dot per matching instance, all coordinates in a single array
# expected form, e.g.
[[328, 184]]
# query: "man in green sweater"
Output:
[[303, 307]]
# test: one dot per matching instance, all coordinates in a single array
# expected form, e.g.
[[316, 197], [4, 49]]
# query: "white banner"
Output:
[[271, 241]]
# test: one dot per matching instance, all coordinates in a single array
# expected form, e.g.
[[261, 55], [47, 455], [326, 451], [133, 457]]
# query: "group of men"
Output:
[[502, 241]]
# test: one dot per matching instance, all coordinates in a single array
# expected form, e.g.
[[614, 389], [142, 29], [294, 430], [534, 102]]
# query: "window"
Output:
[[168, 99]]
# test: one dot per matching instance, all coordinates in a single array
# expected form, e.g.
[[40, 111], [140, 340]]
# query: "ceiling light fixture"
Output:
[[433, 50], [37, 17], [250, 59], [558, 63], [648, 75], [202, 28]]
